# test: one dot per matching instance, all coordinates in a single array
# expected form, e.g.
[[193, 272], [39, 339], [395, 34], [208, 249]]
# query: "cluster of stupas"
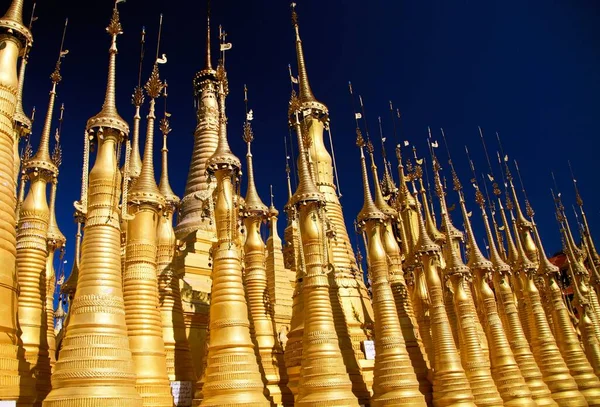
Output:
[[275, 323]]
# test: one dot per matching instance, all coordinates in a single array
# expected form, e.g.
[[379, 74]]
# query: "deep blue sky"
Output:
[[526, 69]]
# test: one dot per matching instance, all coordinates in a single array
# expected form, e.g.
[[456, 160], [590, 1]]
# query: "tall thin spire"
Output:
[[587, 235], [137, 99], [145, 186], [108, 116], [508, 310], [208, 66], [306, 94], [42, 156], [476, 259], [369, 209], [165, 185], [253, 202]]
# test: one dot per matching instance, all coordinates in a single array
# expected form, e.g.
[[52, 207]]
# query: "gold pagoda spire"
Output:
[[595, 257], [323, 376], [306, 94], [525, 226], [253, 203], [545, 349], [505, 371], [208, 66], [350, 321], [179, 357], [450, 384], [137, 99], [397, 283], [432, 229], [566, 337], [474, 357], [196, 215], [96, 367], [145, 187], [388, 186], [164, 185], [229, 325], [140, 278], [108, 116], [42, 158], [394, 379], [406, 202], [507, 309], [255, 277], [32, 248]]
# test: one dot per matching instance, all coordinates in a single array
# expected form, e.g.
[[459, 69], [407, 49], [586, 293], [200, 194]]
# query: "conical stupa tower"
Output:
[[196, 227], [545, 350], [280, 283], [525, 226], [507, 308], [180, 366], [140, 280], [505, 371], [32, 251], [262, 327], [450, 384], [413, 273], [474, 358], [323, 376], [404, 308], [226, 383], [394, 380], [351, 304], [565, 335], [16, 38], [95, 367]]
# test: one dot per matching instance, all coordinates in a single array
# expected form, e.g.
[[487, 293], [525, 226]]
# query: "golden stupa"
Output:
[[181, 302]]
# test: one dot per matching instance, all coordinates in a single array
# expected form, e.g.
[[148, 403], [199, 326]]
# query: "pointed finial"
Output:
[[137, 99], [208, 66], [108, 116], [223, 158], [455, 181], [577, 195], [369, 211], [145, 188], [42, 157], [380, 203], [254, 205], [164, 185], [12, 22], [306, 93], [57, 151], [528, 206], [388, 185], [494, 255]]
